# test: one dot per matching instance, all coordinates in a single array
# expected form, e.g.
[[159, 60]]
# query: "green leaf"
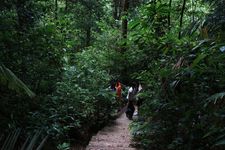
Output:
[[214, 98], [7, 77], [198, 59], [220, 142], [134, 24]]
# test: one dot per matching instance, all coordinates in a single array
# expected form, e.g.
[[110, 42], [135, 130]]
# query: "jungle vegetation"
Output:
[[58, 57]]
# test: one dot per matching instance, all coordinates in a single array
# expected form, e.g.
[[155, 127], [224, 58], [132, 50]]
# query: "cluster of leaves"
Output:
[[82, 103], [183, 80], [41, 43], [28, 53]]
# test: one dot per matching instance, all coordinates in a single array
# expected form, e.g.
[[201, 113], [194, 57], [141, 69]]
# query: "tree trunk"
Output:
[[117, 8], [193, 9], [56, 9], [181, 18], [25, 14], [20, 13], [169, 15], [66, 7], [88, 36], [115, 11], [125, 24]]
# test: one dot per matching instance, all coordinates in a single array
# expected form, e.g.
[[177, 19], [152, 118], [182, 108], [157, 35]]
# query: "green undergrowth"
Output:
[[183, 80]]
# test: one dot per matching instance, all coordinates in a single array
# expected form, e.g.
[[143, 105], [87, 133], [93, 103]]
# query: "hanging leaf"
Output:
[[7, 77]]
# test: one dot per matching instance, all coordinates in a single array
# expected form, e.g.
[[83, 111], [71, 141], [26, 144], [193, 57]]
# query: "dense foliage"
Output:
[[183, 76], [43, 43], [67, 51]]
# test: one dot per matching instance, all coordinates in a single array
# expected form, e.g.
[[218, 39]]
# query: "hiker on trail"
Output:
[[131, 97], [139, 97], [112, 85], [118, 90]]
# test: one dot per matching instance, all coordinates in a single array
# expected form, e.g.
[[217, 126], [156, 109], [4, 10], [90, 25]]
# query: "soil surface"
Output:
[[116, 136]]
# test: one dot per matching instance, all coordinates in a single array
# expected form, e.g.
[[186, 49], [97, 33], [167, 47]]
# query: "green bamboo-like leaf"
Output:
[[11, 140], [201, 44], [42, 143], [8, 78], [214, 98], [26, 143], [198, 59], [134, 24], [33, 140], [220, 142]]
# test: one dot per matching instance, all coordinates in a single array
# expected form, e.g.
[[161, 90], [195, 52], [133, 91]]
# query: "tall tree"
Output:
[[125, 23], [86, 14], [181, 18], [117, 9], [56, 9], [24, 13], [169, 15], [66, 3], [88, 36]]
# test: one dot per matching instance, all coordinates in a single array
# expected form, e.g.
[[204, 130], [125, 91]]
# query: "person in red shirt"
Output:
[[118, 90]]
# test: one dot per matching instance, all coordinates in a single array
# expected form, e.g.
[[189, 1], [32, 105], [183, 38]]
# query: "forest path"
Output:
[[116, 136]]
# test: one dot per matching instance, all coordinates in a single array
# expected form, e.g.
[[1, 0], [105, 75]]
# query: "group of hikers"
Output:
[[129, 98]]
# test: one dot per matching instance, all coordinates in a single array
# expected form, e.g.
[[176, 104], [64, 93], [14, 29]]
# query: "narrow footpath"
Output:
[[116, 136]]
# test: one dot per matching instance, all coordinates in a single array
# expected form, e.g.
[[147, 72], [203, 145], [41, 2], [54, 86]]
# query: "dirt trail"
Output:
[[113, 137]]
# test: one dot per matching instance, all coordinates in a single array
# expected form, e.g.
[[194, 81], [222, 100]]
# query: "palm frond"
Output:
[[11, 140], [31, 142], [8, 78], [42, 143]]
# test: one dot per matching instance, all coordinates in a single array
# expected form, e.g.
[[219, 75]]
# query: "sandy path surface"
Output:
[[113, 137]]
